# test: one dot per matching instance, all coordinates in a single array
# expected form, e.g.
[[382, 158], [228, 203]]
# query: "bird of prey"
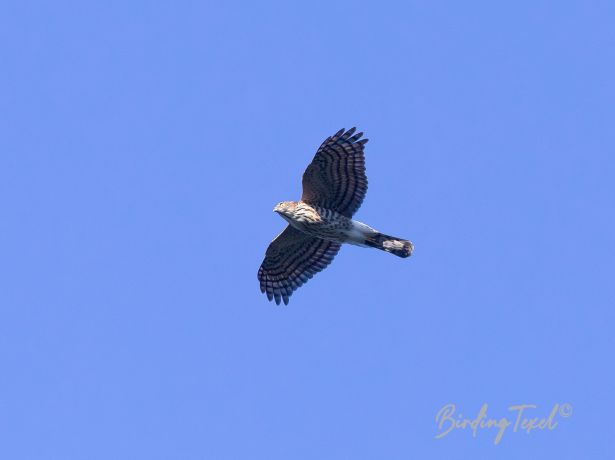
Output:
[[334, 185]]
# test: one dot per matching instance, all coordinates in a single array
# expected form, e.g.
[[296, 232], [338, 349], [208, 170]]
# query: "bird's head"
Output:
[[285, 208]]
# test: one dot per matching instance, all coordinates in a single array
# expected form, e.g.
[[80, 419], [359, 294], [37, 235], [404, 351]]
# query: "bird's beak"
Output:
[[276, 209]]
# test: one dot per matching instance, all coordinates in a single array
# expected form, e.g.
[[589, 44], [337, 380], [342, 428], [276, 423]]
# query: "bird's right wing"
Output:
[[292, 259], [335, 179]]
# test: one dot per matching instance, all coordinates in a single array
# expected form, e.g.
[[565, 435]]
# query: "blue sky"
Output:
[[143, 147]]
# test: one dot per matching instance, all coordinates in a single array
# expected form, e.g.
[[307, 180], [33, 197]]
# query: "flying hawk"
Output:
[[334, 185]]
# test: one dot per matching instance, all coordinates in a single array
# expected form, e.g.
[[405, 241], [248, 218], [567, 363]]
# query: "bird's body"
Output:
[[333, 226], [316, 221], [334, 186]]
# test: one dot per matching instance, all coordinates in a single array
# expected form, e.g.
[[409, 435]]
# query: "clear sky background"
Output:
[[143, 146]]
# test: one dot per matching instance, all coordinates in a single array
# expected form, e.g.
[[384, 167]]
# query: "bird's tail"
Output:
[[397, 246]]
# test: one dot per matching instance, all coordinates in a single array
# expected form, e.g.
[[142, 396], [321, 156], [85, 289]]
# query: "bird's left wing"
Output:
[[336, 177], [292, 259]]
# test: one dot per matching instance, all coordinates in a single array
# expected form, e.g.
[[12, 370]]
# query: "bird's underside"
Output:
[[334, 186]]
